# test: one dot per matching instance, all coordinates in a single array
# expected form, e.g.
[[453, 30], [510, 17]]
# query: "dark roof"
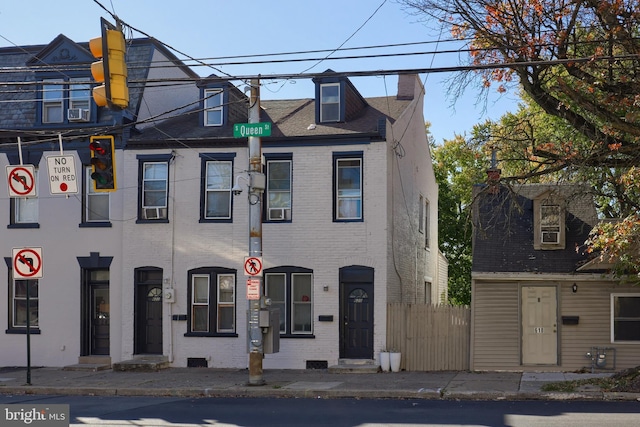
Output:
[[504, 230], [294, 118]]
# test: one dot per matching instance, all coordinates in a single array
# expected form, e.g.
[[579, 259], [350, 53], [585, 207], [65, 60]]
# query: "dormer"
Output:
[[63, 76], [337, 100], [549, 213], [221, 103]]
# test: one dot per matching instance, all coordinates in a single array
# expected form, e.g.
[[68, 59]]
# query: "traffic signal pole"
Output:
[[256, 189]]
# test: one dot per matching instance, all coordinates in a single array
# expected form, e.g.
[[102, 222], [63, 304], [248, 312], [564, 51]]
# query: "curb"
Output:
[[241, 391]]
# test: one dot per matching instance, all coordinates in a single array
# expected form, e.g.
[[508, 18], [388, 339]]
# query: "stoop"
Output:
[[90, 363], [143, 363], [354, 366]]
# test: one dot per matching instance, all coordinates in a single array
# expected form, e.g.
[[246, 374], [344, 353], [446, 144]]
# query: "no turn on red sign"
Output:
[[62, 174], [27, 263]]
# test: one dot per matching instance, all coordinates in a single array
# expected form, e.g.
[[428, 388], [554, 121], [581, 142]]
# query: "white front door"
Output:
[[539, 325]]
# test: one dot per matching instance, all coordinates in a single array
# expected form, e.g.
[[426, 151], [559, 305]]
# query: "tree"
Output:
[[577, 60], [457, 166]]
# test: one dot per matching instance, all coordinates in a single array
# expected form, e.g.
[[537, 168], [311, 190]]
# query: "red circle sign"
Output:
[[26, 259], [22, 186], [253, 266]]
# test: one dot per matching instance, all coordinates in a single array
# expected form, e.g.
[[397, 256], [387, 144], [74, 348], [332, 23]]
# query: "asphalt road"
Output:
[[153, 411]]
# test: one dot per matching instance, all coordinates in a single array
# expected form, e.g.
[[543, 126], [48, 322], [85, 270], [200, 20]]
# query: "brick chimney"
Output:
[[493, 174], [407, 86]]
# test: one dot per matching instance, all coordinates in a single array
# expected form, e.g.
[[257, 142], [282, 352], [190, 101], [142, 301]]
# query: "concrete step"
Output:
[[354, 366], [143, 363], [90, 363]]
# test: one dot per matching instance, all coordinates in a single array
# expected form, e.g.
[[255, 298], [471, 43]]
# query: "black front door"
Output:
[[100, 320], [148, 312], [356, 314]]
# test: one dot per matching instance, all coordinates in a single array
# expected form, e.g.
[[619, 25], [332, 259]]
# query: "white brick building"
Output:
[[349, 225]]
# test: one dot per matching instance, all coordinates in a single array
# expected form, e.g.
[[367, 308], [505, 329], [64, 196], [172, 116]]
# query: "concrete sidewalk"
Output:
[[201, 382]]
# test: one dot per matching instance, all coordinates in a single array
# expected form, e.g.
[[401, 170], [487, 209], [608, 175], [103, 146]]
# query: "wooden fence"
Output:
[[430, 338]]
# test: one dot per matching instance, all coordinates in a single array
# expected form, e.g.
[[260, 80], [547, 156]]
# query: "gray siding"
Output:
[[495, 329]]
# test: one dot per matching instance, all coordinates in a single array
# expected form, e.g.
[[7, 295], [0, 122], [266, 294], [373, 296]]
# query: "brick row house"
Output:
[[156, 267]]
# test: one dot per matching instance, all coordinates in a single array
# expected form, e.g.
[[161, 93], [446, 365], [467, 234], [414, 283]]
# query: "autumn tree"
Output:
[[578, 63]]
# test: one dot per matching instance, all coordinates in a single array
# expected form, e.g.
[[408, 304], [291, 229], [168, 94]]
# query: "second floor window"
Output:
[[348, 188], [219, 178], [278, 190], [153, 187], [96, 203]]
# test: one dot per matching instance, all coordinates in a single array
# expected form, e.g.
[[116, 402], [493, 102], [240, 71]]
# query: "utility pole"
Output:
[[256, 189]]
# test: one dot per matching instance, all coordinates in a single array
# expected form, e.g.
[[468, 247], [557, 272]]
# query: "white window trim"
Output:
[[612, 324], [194, 303], [322, 103], [286, 211], [90, 192], [294, 303], [337, 189], [52, 101], [166, 187], [231, 303], [217, 190], [208, 94]]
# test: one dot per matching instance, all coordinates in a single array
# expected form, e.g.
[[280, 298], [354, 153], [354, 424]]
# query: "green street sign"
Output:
[[243, 130]]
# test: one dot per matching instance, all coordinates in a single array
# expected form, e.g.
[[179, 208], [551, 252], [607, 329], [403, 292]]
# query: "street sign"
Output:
[[21, 180], [27, 263], [243, 130], [253, 289], [253, 266], [62, 174]]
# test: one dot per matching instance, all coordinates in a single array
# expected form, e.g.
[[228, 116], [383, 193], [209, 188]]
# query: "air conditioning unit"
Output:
[[550, 237], [78, 115], [279, 214], [154, 213]]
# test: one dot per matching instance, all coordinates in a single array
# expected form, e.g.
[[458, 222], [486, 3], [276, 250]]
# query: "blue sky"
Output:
[[223, 28]]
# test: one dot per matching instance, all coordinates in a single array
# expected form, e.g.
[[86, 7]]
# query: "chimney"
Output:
[[406, 86], [493, 174]]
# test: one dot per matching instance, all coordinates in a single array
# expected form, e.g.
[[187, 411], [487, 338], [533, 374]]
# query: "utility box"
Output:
[[269, 322], [270, 334]]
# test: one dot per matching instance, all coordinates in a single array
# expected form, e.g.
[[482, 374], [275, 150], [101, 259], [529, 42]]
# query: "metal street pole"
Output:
[[256, 188]]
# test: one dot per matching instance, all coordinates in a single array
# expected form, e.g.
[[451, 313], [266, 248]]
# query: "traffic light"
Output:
[[111, 70], [103, 163]]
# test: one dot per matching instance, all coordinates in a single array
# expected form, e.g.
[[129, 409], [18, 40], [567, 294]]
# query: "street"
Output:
[[153, 411]]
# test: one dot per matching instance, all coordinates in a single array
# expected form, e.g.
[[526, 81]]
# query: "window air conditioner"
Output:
[[154, 213], [279, 214], [551, 237], [78, 115]]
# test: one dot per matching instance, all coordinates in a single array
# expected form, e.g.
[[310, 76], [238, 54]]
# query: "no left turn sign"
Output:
[[21, 180], [27, 263]]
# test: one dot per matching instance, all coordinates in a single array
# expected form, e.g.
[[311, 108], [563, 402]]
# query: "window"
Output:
[[291, 291], [625, 318], [217, 188], [66, 102], [96, 204], [24, 210], [213, 113], [154, 187], [426, 223], [212, 302], [18, 305], [348, 188], [278, 190], [52, 101], [550, 224], [330, 102]]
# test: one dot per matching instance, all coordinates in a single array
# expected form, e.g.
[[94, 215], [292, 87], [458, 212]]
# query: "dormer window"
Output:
[[549, 222], [330, 102], [213, 113], [66, 102]]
